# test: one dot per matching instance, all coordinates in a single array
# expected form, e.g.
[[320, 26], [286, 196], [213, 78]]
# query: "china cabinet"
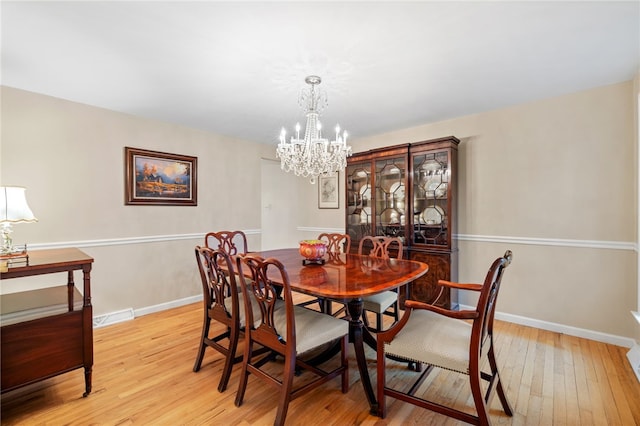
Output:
[[409, 191]]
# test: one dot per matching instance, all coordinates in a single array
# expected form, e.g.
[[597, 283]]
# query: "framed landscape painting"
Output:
[[328, 194], [160, 178]]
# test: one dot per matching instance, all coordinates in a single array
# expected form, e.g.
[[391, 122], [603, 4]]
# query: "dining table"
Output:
[[348, 278]]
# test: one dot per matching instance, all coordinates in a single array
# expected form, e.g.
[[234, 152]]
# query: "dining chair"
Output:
[[232, 242], [220, 297], [385, 303], [289, 331], [222, 303], [459, 341], [336, 243]]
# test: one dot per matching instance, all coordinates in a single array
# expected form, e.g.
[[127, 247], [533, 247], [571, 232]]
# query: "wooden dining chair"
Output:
[[336, 243], [222, 303], [232, 242], [385, 303], [289, 331], [459, 341]]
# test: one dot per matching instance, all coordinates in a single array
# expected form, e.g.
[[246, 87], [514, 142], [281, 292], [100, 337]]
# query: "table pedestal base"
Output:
[[358, 335]]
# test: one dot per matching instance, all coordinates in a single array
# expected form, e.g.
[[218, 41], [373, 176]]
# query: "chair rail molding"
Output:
[[127, 240], [609, 245], [320, 230]]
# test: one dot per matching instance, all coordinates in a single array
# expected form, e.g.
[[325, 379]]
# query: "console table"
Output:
[[48, 331]]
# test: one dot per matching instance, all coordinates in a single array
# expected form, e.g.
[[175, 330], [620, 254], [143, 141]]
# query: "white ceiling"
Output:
[[236, 68]]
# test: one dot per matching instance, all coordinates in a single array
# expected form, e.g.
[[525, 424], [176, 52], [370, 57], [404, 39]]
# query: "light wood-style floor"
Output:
[[143, 375]]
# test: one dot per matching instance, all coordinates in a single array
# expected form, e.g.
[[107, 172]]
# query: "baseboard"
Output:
[[634, 359], [168, 305], [612, 339], [129, 314]]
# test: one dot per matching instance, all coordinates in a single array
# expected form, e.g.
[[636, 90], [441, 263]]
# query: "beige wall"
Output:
[[540, 179], [552, 180], [71, 157]]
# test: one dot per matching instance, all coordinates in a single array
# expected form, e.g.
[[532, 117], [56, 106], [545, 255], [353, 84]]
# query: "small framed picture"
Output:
[[160, 178], [328, 193]]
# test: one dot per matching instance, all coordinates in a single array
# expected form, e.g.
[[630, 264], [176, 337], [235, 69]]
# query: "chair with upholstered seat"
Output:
[[459, 341], [222, 304], [289, 331], [385, 303]]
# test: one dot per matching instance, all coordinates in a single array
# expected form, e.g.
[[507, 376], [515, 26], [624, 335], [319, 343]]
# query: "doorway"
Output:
[[279, 207]]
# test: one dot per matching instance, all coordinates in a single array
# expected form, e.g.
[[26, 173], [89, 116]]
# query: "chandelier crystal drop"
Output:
[[313, 156]]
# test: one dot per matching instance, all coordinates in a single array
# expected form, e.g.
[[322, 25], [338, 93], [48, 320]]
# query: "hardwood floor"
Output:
[[143, 375]]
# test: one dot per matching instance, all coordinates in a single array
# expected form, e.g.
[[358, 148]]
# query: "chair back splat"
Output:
[[286, 329], [232, 242], [384, 247], [453, 340], [336, 243]]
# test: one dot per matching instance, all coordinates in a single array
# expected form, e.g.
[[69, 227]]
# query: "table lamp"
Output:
[[13, 209]]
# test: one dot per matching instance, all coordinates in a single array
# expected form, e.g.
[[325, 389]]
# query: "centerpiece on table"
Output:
[[313, 251]]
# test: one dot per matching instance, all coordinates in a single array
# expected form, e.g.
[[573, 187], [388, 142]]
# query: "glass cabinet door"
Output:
[[409, 191], [359, 201], [431, 206], [390, 199]]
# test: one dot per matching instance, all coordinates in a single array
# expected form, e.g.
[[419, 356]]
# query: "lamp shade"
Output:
[[13, 205]]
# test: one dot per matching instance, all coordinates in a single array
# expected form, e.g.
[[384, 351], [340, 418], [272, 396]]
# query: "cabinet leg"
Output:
[[87, 382]]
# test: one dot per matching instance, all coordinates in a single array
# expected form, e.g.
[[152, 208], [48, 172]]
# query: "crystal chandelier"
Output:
[[314, 155]]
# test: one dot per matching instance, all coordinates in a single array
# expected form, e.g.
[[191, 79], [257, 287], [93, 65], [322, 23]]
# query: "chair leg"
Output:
[[203, 346], [378, 322], [365, 318], [478, 399], [381, 367], [327, 307], [285, 392], [228, 363], [494, 372], [244, 373], [344, 363]]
